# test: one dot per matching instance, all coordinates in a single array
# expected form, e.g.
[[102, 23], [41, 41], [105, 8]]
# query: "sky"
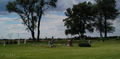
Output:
[[51, 25]]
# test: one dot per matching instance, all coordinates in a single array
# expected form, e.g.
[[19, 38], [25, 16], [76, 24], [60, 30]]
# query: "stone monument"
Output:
[[70, 43], [18, 42], [89, 41], [25, 41], [4, 43]]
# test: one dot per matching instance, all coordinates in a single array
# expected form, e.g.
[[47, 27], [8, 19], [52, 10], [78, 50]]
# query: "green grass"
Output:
[[110, 49]]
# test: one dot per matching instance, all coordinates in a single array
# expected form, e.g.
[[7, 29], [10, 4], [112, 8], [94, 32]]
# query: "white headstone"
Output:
[[89, 41], [84, 39], [77, 40], [96, 41], [4, 43], [118, 37], [25, 41], [18, 42], [42, 40], [49, 43]]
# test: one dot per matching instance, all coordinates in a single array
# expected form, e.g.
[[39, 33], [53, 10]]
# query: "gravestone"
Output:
[[118, 37], [96, 41], [25, 41], [4, 43], [65, 44], [18, 42], [84, 40], [102, 40], [70, 43], [42, 40], [49, 43], [60, 44], [77, 40], [89, 41]]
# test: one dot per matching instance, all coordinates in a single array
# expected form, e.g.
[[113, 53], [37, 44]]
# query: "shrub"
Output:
[[116, 39], [7, 42], [84, 44], [11, 42], [15, 42]]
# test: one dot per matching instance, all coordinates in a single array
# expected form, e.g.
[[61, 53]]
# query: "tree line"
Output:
[[81, 18], [31, 12], [88, 17]]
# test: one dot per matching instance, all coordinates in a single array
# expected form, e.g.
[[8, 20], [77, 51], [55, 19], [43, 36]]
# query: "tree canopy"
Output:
[[79, 19], [31, 12], [108, 10]]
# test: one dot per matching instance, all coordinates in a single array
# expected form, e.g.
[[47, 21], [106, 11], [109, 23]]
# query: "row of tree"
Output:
[[86, 16], [31, 12]]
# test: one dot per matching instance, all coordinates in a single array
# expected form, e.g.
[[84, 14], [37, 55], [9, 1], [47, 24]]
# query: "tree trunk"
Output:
[[33, 35], [101, 25], [101, 35], [38, 30], [105, 27], [38, 35]]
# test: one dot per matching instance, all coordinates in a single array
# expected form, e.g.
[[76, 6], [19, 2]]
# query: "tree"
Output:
[[80, 19], [109, 11], [24, 8], [99, 22], [99, 26], [41, 8], [31, 12]]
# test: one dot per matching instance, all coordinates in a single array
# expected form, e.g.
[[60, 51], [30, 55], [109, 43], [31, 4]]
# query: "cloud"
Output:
[[3, 4], [53, 26], [7, 26], [62, 5]]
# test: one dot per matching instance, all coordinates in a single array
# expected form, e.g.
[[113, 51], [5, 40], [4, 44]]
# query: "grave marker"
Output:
[[70, 43], [4, 43], [89, 41], [118, 37], [18, 42], [25, 41]]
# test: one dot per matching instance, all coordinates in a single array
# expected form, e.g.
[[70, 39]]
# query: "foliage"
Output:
[[11, 42], [15, 42], [79, 19], [84, 44], [31, 12], [108, 11], [7, 42], [99, 21]]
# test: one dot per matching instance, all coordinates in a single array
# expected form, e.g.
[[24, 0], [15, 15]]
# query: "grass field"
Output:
[[110, 49]]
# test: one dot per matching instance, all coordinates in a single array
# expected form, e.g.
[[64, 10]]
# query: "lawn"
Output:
[[110, 49]]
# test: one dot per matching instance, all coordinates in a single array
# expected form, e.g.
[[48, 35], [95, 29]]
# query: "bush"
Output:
[[11, 42], [15, 42], [7, 42], [116, 39], [84, 44]]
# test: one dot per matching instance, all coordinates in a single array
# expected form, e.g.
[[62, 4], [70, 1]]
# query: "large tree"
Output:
[[31, 12], [108, 10], [41, 8], [80, 19], [99, 21]]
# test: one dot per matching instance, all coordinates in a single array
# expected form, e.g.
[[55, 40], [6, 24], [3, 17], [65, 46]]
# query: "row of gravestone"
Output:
[[18, 42], [52, 45]]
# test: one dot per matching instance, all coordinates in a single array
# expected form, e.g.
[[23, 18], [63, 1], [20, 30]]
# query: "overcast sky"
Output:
[[51, 24]]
